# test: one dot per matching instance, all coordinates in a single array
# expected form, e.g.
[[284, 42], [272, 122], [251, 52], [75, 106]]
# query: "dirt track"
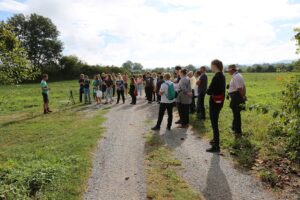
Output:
[[118, 171]]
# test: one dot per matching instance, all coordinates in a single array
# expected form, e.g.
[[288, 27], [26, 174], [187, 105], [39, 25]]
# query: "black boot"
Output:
[[213, 149]]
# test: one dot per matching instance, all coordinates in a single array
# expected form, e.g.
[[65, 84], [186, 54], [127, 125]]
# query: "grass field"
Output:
[[49, 156], [45, 156]]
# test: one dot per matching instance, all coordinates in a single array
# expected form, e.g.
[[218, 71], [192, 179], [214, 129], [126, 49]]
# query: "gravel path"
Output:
[[212, 174], [118, 171], [119, 159]]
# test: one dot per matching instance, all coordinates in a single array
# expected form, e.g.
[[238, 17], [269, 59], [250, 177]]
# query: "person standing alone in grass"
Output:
[[87, 95], [202, 87], [81, 87], [167, 93], [216, 90], [237, 94], [45, 91]]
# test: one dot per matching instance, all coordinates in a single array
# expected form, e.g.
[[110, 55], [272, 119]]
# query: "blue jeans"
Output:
[[87, 95], [140, 89], [109, 94]]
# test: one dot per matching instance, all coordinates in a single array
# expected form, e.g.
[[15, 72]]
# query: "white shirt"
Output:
[[164, 88], [193, 82], [236, 82]]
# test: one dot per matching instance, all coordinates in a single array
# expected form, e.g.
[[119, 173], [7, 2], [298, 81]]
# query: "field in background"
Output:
[[49, 155]]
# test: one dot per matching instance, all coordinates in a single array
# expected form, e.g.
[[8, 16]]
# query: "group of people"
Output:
[[189, 87], [184, 90]]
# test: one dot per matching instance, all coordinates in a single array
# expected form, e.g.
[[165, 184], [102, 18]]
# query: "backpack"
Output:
[[171, 92]]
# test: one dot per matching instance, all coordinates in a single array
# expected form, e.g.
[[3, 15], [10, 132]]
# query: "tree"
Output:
[[297, 38], [137, 67], [128, 66], [190, 68], [39, 36], [14, 65]]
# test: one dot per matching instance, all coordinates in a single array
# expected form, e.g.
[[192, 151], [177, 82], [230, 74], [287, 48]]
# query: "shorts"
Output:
[[45, 98]]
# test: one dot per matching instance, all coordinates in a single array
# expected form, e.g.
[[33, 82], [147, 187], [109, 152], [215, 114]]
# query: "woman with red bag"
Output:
[[216, 91], [133, 91]]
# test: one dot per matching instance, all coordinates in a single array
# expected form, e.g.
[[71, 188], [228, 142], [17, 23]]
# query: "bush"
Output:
[[287, 124]]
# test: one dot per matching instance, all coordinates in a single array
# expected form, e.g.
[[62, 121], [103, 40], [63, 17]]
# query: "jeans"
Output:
[[162, 108], [184, 111], [120, 93], [214, 112], [109, 94], [200, 106], [87, 95], [140, 89]]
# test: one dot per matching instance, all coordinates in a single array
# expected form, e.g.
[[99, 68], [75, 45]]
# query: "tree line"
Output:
[[30, 46]]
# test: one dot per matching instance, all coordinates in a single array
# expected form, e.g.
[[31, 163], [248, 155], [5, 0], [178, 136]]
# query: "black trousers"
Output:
[[193, 104], [133, 97], [114, 90], [200, 106], [158, 97], [184, 112], [162, 109], [149, 92], [236, 105], [120, 93], [214, 112], [81, 92]]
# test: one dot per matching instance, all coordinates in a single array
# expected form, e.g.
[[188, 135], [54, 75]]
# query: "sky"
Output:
[[165, 33]]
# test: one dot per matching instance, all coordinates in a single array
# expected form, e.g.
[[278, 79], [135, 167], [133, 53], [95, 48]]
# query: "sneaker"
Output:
[[49, 111], [213, 149], [155, 128]]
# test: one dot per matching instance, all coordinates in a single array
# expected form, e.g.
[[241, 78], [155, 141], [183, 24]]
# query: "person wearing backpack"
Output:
[[167, 93]]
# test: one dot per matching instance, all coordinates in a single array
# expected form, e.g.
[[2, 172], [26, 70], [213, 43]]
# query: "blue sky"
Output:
[[163, 33]]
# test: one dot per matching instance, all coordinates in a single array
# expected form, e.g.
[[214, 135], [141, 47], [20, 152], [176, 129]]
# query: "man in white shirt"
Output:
[[237, 93], [165, 103]]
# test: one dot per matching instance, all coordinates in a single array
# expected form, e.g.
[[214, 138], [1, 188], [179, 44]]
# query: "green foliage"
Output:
[[297, 38], [287, 125], [132, 67], [14, 66], [268, 177], [39, 36]]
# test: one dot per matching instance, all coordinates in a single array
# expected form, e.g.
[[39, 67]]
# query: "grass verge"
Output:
[[47, 156], [162, 179]]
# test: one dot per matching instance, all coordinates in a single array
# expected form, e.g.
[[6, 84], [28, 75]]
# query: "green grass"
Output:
[[263, 92], [45, 156], [162, 179]]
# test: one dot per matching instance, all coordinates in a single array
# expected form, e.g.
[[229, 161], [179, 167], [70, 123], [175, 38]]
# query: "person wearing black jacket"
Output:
[[132, 91], [216, 91], [160, 81]]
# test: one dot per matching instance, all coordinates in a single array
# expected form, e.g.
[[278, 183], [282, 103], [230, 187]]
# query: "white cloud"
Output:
[[12, 6], [191, 31]]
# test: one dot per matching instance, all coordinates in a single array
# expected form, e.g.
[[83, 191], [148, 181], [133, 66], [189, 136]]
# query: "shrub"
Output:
[[287, 124]]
